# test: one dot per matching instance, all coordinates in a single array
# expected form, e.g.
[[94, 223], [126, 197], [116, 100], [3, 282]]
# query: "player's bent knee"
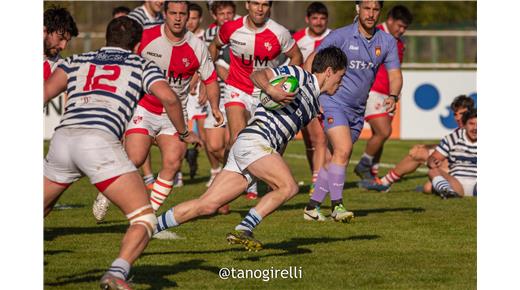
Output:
[[143, 216], [419, 153]]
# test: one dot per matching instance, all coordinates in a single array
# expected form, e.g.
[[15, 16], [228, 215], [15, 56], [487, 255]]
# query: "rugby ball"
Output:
[[291, 85]]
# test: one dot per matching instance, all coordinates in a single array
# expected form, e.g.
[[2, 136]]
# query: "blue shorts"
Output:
[[334, 115]]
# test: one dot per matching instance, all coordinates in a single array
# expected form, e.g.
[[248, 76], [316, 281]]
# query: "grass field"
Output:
[[399, 240]]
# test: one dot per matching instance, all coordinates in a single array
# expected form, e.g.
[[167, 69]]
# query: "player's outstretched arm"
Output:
[[54, 85], [173, 108], [278, 94], [295, 55]]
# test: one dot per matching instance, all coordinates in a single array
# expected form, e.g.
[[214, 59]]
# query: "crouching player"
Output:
[[460, 149], [104, 87], [255, 152]]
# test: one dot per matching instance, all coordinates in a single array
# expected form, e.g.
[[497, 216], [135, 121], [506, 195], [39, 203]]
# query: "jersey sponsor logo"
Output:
[[237, 42], [352, 47], [360, 64], [154, 54], [378, 50], [258, 60]]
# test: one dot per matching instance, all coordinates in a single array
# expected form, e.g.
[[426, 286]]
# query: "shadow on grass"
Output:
[[50, 234], [294, 246], [365, 212], [152, 275]]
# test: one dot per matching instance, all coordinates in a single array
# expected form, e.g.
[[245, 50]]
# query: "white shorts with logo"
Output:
[[237, 97], [151, 124], [75, 152], [469, 184], [376, 106], [196, 111], [247, 149]]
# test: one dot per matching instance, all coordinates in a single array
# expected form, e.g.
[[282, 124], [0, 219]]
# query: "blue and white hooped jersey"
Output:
[[461, 154], [104, 88], [280, 126], [140, 15]]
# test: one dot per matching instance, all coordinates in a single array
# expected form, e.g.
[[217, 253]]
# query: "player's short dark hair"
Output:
[[195, 7], [400, 12], [332, 57], [123, 32], [469, 114], [120, 9], [59, 20], [317, 8], [462, 101], [270, 3], [166, 3], [216, 5], [380, 3]]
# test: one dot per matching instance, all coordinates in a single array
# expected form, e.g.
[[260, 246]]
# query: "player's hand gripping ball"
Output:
[[290, 85]]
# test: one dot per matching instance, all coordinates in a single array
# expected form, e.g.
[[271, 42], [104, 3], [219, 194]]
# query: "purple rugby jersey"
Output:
[[364, 58]]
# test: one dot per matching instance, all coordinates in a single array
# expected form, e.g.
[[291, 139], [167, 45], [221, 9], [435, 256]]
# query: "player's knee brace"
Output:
[[144, 216]]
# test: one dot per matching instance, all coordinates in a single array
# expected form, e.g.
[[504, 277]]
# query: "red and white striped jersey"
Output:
[[252, 50], [306, 43], [179, 62], [49, 64], [381, 82]]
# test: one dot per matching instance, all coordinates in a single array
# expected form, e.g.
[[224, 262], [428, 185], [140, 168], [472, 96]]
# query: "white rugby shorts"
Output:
[[151, 124], [74, 152], [469, 184], [196, 111], [376, 106], [247, 149], [237, 97]]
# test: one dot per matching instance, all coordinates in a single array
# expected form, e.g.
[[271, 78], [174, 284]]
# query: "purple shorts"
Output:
[[334, 115]]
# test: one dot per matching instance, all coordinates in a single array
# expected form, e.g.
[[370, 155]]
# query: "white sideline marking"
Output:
[[384, 165]]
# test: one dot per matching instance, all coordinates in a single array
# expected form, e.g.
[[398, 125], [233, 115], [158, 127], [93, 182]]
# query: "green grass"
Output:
[[399, 240]]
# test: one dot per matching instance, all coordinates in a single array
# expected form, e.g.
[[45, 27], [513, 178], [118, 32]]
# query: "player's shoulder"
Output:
[[232, 25], [276, 27], [152, 32], [342, 33], [149, 35], [385, 36], [300, 34]]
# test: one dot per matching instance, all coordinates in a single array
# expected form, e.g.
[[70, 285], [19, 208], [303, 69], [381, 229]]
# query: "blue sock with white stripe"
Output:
[[119, 268], [440, 184], [250, 222], [166, 221]]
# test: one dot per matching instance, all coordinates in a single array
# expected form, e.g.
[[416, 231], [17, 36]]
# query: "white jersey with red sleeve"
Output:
[[179, 62], [252, 50], [307, 43]]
